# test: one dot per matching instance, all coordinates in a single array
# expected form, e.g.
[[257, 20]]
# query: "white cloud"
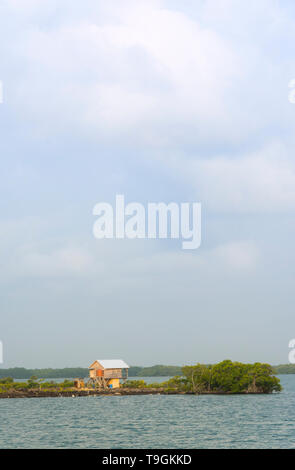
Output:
[[153, 68], [241, 256], [114, 263], [148, 74], [261, 181], [68, 261]]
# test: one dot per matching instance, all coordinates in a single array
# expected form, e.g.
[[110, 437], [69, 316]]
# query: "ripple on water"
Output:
[[151, 421]]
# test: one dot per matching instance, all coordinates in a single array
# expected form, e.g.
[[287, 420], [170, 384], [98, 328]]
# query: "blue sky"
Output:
[[159, 102]]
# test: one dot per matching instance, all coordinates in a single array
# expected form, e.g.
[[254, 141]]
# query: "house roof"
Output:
[[113, 364]]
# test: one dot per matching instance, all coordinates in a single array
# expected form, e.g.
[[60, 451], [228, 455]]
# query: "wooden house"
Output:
[[108, 372]]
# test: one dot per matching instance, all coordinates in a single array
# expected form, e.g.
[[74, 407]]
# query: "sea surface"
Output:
[[151, 421]]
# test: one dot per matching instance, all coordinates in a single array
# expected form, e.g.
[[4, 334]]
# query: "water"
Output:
[[152, 421]]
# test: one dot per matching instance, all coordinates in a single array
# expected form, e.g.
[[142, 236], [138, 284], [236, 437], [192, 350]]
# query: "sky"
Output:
[[160, 101]]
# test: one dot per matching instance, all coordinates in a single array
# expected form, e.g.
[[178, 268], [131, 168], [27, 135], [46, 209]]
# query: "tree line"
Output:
[[71, 372], [134, 371]]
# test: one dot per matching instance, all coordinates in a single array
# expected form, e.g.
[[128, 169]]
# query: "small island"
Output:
[[224, 378]]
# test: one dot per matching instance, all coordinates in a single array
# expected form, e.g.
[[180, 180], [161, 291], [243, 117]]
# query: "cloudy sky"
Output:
[[158, 100]]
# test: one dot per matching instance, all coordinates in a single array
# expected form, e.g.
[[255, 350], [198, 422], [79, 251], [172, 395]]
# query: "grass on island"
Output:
[[225, 377]]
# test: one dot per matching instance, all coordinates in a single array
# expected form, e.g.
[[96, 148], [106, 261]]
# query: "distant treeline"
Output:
[[154, 371], [22, 373], [284, 369], [134, 371], [71, 372]]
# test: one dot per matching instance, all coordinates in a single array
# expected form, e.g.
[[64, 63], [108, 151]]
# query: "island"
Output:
[[224, 378]]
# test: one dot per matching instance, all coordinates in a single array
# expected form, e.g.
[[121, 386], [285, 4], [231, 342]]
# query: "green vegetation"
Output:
[[134, 371], [134, 384], [225, 377], [68, 373], [234, 377], [22, 373], [154, 371], [284, 369], [7, 384], [6, 380]]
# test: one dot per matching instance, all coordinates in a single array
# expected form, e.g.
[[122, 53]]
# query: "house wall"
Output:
[[114, 382], [113, 373], [93, 371]]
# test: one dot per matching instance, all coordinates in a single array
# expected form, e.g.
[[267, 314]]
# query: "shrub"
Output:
[[6, 380], [134, 384]]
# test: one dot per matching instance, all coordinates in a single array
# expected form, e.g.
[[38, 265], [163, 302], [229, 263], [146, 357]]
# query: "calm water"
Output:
[[152, 421]]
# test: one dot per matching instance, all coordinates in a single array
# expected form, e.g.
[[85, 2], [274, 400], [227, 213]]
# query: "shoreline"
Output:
[[115, 392]]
